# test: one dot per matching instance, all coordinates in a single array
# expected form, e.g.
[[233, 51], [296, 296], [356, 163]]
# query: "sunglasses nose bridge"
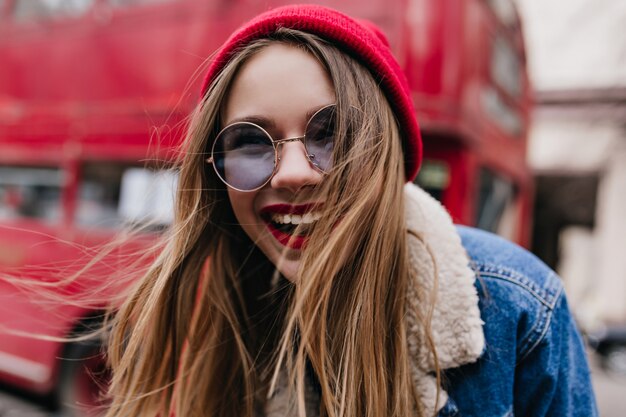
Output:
[[278, 144], [287, 140]]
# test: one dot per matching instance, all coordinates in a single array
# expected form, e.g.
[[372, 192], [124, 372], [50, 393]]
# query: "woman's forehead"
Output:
[[281, 80]]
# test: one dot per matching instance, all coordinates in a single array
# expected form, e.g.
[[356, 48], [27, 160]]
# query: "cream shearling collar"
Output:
[[456, 324], [435, 250]]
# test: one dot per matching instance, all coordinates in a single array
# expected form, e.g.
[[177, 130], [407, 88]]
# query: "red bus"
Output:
[[93, 91]]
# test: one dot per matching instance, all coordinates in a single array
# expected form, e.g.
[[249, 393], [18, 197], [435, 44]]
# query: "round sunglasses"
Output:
[[245, 156]]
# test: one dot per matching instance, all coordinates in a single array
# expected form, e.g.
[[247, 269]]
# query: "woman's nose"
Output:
[[294, 170]]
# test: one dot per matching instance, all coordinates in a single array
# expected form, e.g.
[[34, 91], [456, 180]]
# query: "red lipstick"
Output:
[[285, 239], [290, 241]]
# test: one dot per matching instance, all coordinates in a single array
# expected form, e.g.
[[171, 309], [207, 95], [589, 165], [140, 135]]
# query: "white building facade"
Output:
[[577, 62]]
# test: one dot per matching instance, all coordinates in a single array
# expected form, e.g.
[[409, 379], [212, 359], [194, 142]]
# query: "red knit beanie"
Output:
[[362, 40]]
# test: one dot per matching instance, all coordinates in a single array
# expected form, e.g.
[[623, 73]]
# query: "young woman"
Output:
[[303, 277]]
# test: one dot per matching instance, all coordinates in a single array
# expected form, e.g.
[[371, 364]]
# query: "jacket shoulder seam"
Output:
[[548, 296], [540, 331]]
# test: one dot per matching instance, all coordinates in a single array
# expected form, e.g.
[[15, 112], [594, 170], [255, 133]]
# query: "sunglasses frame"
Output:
[[275, 143]]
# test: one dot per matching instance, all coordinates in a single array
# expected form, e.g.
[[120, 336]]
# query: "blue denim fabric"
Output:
[[534, 363]]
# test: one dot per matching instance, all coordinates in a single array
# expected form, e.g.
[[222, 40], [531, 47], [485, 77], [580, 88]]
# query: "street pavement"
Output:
[[610, 391]]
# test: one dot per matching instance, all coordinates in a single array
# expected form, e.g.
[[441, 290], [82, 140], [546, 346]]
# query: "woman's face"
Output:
[[279, 89]]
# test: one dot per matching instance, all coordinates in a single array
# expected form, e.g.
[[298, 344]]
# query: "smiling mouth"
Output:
[[291, 225], [295, 223]]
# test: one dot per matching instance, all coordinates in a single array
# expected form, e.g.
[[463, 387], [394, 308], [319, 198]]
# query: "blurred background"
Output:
[[577, 152], [522, 105]]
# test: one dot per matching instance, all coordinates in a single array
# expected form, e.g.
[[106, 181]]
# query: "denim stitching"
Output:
[[548, 320], [534, 335], [547, 296], [509, 413]]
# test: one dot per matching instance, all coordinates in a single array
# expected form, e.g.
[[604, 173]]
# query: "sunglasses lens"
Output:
[[243, 156], [320, 137]]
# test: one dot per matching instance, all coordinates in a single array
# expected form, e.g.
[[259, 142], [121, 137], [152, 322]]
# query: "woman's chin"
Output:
[[288, 268]]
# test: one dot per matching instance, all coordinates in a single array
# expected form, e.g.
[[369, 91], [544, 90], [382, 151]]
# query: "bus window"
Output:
[[148, 196], [497, 204], [434, 177], [506, 68], [506, 117], [113, 194], [99, 194], [50, 9], [30, 192], [504, 10]]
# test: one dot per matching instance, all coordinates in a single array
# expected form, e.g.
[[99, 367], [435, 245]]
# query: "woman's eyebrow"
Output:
[[264, 122], [268, 123]]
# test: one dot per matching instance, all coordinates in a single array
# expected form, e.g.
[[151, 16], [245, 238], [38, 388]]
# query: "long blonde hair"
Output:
[[206, 332]]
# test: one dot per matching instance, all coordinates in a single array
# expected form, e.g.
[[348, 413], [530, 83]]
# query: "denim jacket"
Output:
[[534, 363]]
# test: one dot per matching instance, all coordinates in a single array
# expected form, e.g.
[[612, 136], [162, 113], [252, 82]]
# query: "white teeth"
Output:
[[307, 218]]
